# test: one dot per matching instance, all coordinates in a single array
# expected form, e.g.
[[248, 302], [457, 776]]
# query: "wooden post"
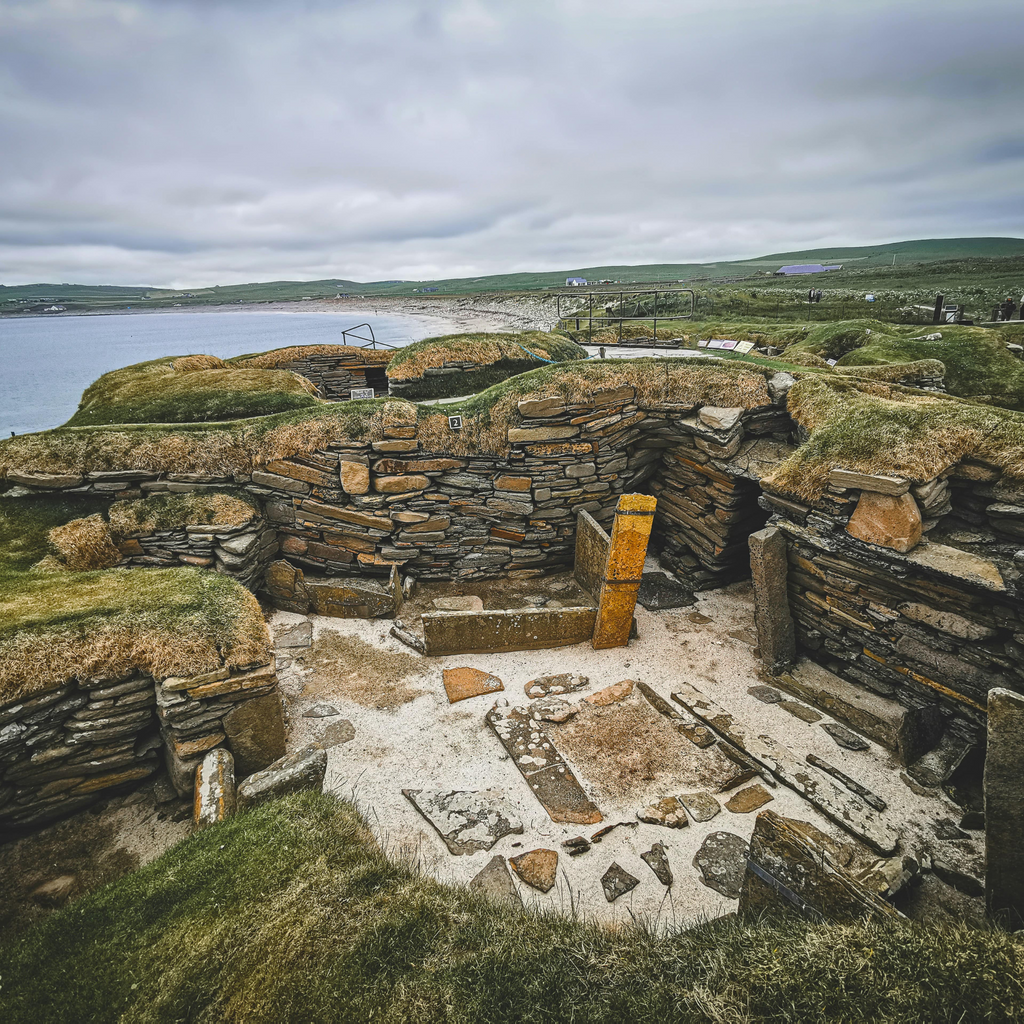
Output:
[[631, 531]]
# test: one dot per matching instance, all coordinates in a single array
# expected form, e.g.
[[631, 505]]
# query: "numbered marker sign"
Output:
[[361, 393], [455, 422]]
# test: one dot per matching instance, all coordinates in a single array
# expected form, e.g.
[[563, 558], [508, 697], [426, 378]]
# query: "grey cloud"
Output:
[[186, 142]]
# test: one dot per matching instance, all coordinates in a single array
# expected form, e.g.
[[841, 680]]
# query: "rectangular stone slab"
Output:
[[518, 629], [550, 779], [592, 546], [846, 809]]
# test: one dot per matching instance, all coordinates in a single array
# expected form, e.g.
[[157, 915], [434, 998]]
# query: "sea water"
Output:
[[46, 362]]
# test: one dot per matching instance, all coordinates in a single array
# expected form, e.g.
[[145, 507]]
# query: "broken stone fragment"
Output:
[[720, 417], [536, 868], [215, 789], [668, 812], [576, 846], [656, 859], [565, 682], [399, 632], [701, 806], [765, 694], [321, 711], [845, 737], [658, 591], [614, 694], [54, 892], [467, 821], [801, 711], [338, 732], [616, 882], [602, 832], [722, 862], [463, 683], [553, 709], [885, 520], [749, 799], [300, 635], [305, 769], [494, 881]]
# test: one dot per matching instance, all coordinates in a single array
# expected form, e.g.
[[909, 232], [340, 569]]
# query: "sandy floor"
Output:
[[407, 735]]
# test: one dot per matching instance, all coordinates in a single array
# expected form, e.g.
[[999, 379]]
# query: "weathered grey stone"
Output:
[[749, 799], [466, 821], [459, 604], [321, 711], [919, 732], [656, 858], [553, 709], [520, 629], [255, 732], [765, 694], [700, 806], [720, 417], [845, 737], [779, 386], [300, 635], [776, 636], [722, 861], [494, 881], [616, 882], [591, 558], [659, 591], [848, 478], [337, 733], [305, 769], [215, 789], [946, 622], [669, 812], [564, 682]]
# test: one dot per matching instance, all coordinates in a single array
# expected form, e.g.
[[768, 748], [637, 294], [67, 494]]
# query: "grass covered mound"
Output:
[[279, 357], [882, 428], [57, 625], [291, 912], [174, 511], [191, 389]]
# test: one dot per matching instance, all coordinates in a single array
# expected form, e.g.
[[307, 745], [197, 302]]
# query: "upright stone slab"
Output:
[[776, 637], [1004, 808], [592, 545], [215, 789], [631, 531], [256, 733]]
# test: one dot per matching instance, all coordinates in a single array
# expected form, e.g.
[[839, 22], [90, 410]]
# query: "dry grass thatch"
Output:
[[893, 373], [84, 544], [176, 511], [162, 622], [186, 364], [280, 357], [881, 428]]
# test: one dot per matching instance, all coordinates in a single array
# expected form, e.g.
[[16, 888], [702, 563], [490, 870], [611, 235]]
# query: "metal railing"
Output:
[[370, 342], [640, 300]]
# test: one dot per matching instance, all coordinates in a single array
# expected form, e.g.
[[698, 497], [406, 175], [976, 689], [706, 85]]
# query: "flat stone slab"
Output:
[[722, 863], [215, 789], [749, 799], [548, 776], [656, 858], [337, 733], [463, 683], [459, 604], [617, 881], [669, 812], [537, 868], [700, 806], [321, 711], [801, 711], [300, 635], [304, 769], [565, 682], [467, 821], [846, 738], [494, 881], [613, 694], [658, 591], [765, 694]]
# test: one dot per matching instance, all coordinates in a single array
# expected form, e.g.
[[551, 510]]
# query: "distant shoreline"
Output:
[[453, 314]]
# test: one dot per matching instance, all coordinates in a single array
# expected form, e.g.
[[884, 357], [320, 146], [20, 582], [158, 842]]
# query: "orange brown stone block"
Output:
[[890, 521]]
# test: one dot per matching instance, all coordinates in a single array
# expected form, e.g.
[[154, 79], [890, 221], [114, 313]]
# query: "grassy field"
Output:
[[954, 266], [291, 912]]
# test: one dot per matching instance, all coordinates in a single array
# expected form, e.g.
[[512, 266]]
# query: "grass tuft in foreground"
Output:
[[291, 912]]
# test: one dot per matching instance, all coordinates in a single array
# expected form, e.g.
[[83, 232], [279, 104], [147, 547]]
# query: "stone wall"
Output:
[[62, 749], [335, 376]]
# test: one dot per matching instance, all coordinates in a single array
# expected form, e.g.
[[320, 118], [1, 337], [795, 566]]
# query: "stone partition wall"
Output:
[[881, 601], [62, 749]]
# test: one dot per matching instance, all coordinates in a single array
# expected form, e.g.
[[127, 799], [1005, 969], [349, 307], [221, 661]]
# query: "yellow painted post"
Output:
[[631, 531]]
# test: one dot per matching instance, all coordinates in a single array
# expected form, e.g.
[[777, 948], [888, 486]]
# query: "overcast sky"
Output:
[[188, 142]]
